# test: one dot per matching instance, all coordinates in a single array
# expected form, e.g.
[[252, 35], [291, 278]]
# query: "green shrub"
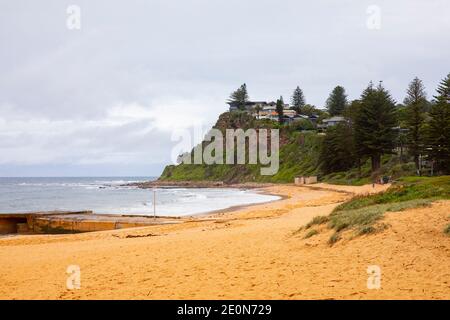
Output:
[[334, 238], [311, 233], [367, 230], [447, 230]]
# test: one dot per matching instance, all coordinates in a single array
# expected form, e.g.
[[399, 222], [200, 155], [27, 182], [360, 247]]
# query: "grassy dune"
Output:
[[363, 214]]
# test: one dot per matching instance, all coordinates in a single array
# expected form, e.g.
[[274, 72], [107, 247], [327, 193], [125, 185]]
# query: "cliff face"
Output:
[[299, 152]]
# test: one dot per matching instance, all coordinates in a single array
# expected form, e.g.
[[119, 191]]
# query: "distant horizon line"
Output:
[[132, 176]]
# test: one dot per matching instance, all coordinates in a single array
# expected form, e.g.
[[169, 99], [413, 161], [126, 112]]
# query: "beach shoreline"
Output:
[[66, 222], [171, 204], [248, 253], [197, 184], [236, 208]]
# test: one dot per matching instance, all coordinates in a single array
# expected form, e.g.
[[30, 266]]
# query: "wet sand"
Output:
[[250, 253]]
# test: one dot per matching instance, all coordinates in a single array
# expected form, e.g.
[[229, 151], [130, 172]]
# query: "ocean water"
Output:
[[108, 195]]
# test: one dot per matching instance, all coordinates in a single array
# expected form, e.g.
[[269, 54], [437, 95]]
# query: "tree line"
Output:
[[375, 125]]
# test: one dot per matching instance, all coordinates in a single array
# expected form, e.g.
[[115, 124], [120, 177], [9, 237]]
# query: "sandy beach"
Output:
[[248, 253]]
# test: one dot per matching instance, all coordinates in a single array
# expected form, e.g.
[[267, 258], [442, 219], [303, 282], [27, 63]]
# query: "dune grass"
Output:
[[362, 214], [407, 188], [316, 221], [334, 238], [447, 230], [363, 219], [311, 233]]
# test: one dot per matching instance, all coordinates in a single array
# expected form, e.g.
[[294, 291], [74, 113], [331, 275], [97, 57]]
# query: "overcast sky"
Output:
[[105, 99]]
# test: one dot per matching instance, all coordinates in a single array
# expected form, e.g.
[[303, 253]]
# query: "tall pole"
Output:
[[154, 203]]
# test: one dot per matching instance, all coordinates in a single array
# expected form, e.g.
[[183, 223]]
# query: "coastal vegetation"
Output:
[[363, 214], [311, 233], [240, 97], [298, 100], [337, 101], [367, 139], [299, 152]]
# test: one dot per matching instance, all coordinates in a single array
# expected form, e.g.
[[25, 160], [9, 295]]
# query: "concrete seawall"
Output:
[[73, 222]]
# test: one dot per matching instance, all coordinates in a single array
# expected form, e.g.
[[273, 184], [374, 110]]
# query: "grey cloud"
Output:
[[163, 55]]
